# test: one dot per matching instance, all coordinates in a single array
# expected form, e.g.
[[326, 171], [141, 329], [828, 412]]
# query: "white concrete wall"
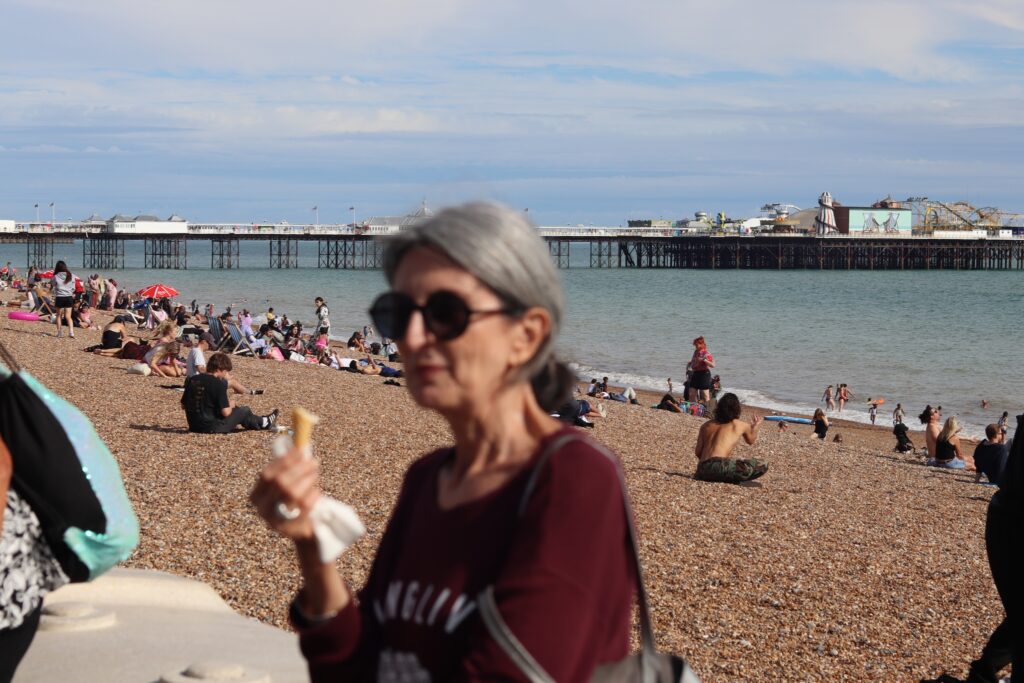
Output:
[[148, 227]]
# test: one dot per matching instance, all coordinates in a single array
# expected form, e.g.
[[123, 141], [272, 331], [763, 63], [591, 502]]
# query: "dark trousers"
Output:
[[239, 416], [1006, 644], [14, 644]]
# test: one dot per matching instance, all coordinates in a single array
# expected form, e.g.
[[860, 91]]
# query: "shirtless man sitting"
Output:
[[717, 438], [930, 418]]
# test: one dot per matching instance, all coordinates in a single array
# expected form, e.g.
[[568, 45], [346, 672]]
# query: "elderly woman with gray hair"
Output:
[[508, 552]]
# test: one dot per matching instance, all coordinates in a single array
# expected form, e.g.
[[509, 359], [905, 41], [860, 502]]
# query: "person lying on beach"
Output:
[[166, 332], [990, 455], [669, 403], [372, 367], [207, 407], [718, 437], [947, 447], [821, 424]]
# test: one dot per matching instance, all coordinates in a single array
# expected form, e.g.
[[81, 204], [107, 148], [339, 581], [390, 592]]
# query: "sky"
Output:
[[588, 112]]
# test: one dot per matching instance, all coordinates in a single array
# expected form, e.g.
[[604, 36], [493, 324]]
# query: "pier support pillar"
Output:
[[601, 254], [559, 250], [224, 253], [106, 253], [40, 251], [170, 253], [350, 253], [329, 254], [284, 253]]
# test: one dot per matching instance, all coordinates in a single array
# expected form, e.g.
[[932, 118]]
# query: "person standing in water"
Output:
[[830, 403], [897, 415], [844, 395]]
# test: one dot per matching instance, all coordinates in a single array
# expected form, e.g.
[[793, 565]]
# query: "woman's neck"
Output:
[[501, 432]]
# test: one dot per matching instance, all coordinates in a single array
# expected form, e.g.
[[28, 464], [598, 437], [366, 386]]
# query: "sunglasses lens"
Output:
[[446, 314], [391, 313]]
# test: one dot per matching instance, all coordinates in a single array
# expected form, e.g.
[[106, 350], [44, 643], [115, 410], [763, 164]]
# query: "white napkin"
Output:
[[335, 524]]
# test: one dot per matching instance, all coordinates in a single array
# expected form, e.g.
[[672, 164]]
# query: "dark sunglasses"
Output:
[[445, 314]]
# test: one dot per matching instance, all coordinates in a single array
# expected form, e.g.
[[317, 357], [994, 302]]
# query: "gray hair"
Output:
[[502, 249]]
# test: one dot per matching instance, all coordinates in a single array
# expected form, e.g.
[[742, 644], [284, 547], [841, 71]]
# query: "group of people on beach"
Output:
[[538, 566]]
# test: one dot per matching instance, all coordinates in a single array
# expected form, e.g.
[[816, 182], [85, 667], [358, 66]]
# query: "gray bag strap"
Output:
[[500, 631]]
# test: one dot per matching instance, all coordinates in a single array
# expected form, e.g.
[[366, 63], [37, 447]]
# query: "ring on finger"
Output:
[[286, 513]]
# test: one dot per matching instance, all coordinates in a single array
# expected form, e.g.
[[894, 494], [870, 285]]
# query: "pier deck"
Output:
[[608, 248]]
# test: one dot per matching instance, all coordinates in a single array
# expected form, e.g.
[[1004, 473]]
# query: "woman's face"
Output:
[[454, 376]]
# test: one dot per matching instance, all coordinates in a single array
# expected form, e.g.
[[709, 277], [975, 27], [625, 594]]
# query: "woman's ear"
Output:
[[530, 332]]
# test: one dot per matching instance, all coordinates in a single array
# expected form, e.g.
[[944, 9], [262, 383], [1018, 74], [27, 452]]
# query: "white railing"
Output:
[[551, 232]]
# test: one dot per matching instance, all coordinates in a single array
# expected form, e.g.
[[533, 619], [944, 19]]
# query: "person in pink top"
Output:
[[700, 365], [521, 520]]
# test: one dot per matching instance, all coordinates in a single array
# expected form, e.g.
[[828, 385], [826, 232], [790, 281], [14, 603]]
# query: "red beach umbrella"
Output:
[[157, 291]]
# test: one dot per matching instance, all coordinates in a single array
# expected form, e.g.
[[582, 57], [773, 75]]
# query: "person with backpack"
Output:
[[514, 540]]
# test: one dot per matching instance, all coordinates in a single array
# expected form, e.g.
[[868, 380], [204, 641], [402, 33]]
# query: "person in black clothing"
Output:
[[990, 455], [821, 424], [208, 408], [1003, 539]]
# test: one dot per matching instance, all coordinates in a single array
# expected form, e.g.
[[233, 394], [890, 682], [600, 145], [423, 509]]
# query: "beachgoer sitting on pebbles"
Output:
[[903, 442], [195, 364], [930, 418], [163, 360], [990, 455], [113, 338], [717, 438], [357, 343], [821, 424], [947, 447], [208, 409]]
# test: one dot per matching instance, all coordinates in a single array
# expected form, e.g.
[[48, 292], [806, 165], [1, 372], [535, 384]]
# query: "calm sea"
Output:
[[947, 338]]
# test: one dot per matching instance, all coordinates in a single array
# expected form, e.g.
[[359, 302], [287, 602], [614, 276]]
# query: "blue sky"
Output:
[[585, 112]]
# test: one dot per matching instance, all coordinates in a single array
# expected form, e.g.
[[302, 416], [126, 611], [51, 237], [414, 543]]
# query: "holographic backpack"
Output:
[[66, 474]]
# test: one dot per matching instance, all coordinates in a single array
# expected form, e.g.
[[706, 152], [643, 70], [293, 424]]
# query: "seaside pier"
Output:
[[348, 247]]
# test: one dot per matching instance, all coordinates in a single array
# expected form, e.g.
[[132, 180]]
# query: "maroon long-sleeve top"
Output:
[[562, 576]]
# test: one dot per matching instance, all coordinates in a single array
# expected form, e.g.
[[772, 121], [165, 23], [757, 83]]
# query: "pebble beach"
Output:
[[844, 562]]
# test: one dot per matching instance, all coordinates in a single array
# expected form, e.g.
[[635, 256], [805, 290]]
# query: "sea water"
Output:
[[949, 338]]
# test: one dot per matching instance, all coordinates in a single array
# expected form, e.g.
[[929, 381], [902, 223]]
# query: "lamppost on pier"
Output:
[[53, 213], [316, 213], [37, 213], [352, 209]]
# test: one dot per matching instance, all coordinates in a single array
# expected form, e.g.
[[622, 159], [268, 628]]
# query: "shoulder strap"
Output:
[[497, 627]]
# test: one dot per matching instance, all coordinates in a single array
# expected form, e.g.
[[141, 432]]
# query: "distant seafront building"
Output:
[[386, 225], [146, 225]]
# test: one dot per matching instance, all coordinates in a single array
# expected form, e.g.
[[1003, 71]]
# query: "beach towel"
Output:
[[66, 474]]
